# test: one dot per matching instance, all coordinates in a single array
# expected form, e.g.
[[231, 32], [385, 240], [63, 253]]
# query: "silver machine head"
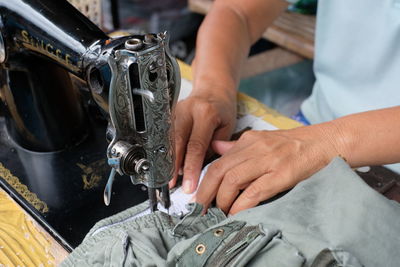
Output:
[[144, 88]]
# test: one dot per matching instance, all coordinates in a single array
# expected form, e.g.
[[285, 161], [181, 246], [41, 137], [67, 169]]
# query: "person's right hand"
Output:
[[199, 119]]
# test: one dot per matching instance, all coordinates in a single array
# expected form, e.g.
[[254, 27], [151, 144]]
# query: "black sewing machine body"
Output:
[[53, 134]]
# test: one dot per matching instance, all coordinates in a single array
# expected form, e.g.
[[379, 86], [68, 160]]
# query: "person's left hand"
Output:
[[263, 163]]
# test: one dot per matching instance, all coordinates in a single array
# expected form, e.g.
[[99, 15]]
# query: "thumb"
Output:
[[221, 147]]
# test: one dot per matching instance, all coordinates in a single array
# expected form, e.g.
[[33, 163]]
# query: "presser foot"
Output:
[[159, 195]]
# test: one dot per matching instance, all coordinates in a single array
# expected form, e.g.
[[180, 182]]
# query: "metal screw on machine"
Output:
[[142, 166], [133, 44]]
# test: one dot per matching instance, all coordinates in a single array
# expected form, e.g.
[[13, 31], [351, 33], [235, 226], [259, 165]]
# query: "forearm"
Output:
[[225, 37], [368, 138]]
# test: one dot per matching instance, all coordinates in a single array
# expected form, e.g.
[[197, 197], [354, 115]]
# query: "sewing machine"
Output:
[[60, 143]]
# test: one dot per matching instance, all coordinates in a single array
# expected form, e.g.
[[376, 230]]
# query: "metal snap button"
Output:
[[219, 232], [200, 249]]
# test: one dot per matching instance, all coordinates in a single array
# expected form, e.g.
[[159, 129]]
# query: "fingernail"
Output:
[[187, 186], [180, 171]]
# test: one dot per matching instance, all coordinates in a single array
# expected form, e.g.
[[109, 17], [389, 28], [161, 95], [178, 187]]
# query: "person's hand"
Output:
[[200, 119], [262, 164]]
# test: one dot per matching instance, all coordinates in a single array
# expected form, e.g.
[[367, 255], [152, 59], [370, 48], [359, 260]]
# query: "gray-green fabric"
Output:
[[334, 211], [357, 59]]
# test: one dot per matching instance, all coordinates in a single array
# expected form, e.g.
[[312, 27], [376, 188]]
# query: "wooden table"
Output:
[[292, 31]]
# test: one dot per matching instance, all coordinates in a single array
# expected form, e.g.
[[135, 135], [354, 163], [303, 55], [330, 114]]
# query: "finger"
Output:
[[236, 179], [174, 180], [261, 189], [223, 134], [247, 140], [195, 153], [221, 147], [183, 126], [213, 177]]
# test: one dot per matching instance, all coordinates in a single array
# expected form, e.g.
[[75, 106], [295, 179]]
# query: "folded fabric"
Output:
[[331, 219]]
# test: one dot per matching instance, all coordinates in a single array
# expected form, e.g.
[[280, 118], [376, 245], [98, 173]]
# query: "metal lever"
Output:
[[108, 188]]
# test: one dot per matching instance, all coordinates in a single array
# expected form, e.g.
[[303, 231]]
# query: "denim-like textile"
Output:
[[331, 219]]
